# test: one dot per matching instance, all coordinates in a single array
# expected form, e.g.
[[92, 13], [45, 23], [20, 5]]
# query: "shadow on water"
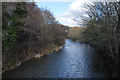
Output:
[[74, 60]]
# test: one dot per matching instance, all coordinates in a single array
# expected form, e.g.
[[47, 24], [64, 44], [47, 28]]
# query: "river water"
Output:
[[74, 60]]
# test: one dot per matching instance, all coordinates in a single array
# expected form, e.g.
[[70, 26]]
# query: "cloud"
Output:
[[76, 9], [54, 0]]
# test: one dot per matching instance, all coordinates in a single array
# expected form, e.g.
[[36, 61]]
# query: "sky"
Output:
[[65, 10]]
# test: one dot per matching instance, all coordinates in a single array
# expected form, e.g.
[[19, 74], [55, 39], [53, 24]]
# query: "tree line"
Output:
[[102, 30], [28, 28]]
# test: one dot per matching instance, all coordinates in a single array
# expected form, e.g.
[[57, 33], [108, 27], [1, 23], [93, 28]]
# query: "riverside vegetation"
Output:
[[28, 32], [102, 30]]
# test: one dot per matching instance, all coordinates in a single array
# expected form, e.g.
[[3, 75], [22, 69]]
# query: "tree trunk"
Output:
[[118, 34], [30, 42], [119, 17]]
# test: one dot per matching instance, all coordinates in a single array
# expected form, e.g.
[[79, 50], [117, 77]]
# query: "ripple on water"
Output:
[[74, 60]]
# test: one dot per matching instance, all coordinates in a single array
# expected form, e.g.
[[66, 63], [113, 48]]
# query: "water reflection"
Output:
[[74, 60]]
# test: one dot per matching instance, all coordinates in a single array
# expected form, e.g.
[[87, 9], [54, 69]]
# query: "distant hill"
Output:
[[76, 33]]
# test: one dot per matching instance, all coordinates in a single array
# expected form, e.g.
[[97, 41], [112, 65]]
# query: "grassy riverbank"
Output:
[[14, 60]]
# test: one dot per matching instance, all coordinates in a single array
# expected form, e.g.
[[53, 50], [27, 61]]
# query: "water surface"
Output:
[[74, 60]]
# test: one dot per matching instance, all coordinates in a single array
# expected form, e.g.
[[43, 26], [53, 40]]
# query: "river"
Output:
[[74, 60]]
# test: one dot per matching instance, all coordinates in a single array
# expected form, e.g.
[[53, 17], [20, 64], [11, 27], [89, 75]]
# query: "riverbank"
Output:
[[74, 60], [12, 62]]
